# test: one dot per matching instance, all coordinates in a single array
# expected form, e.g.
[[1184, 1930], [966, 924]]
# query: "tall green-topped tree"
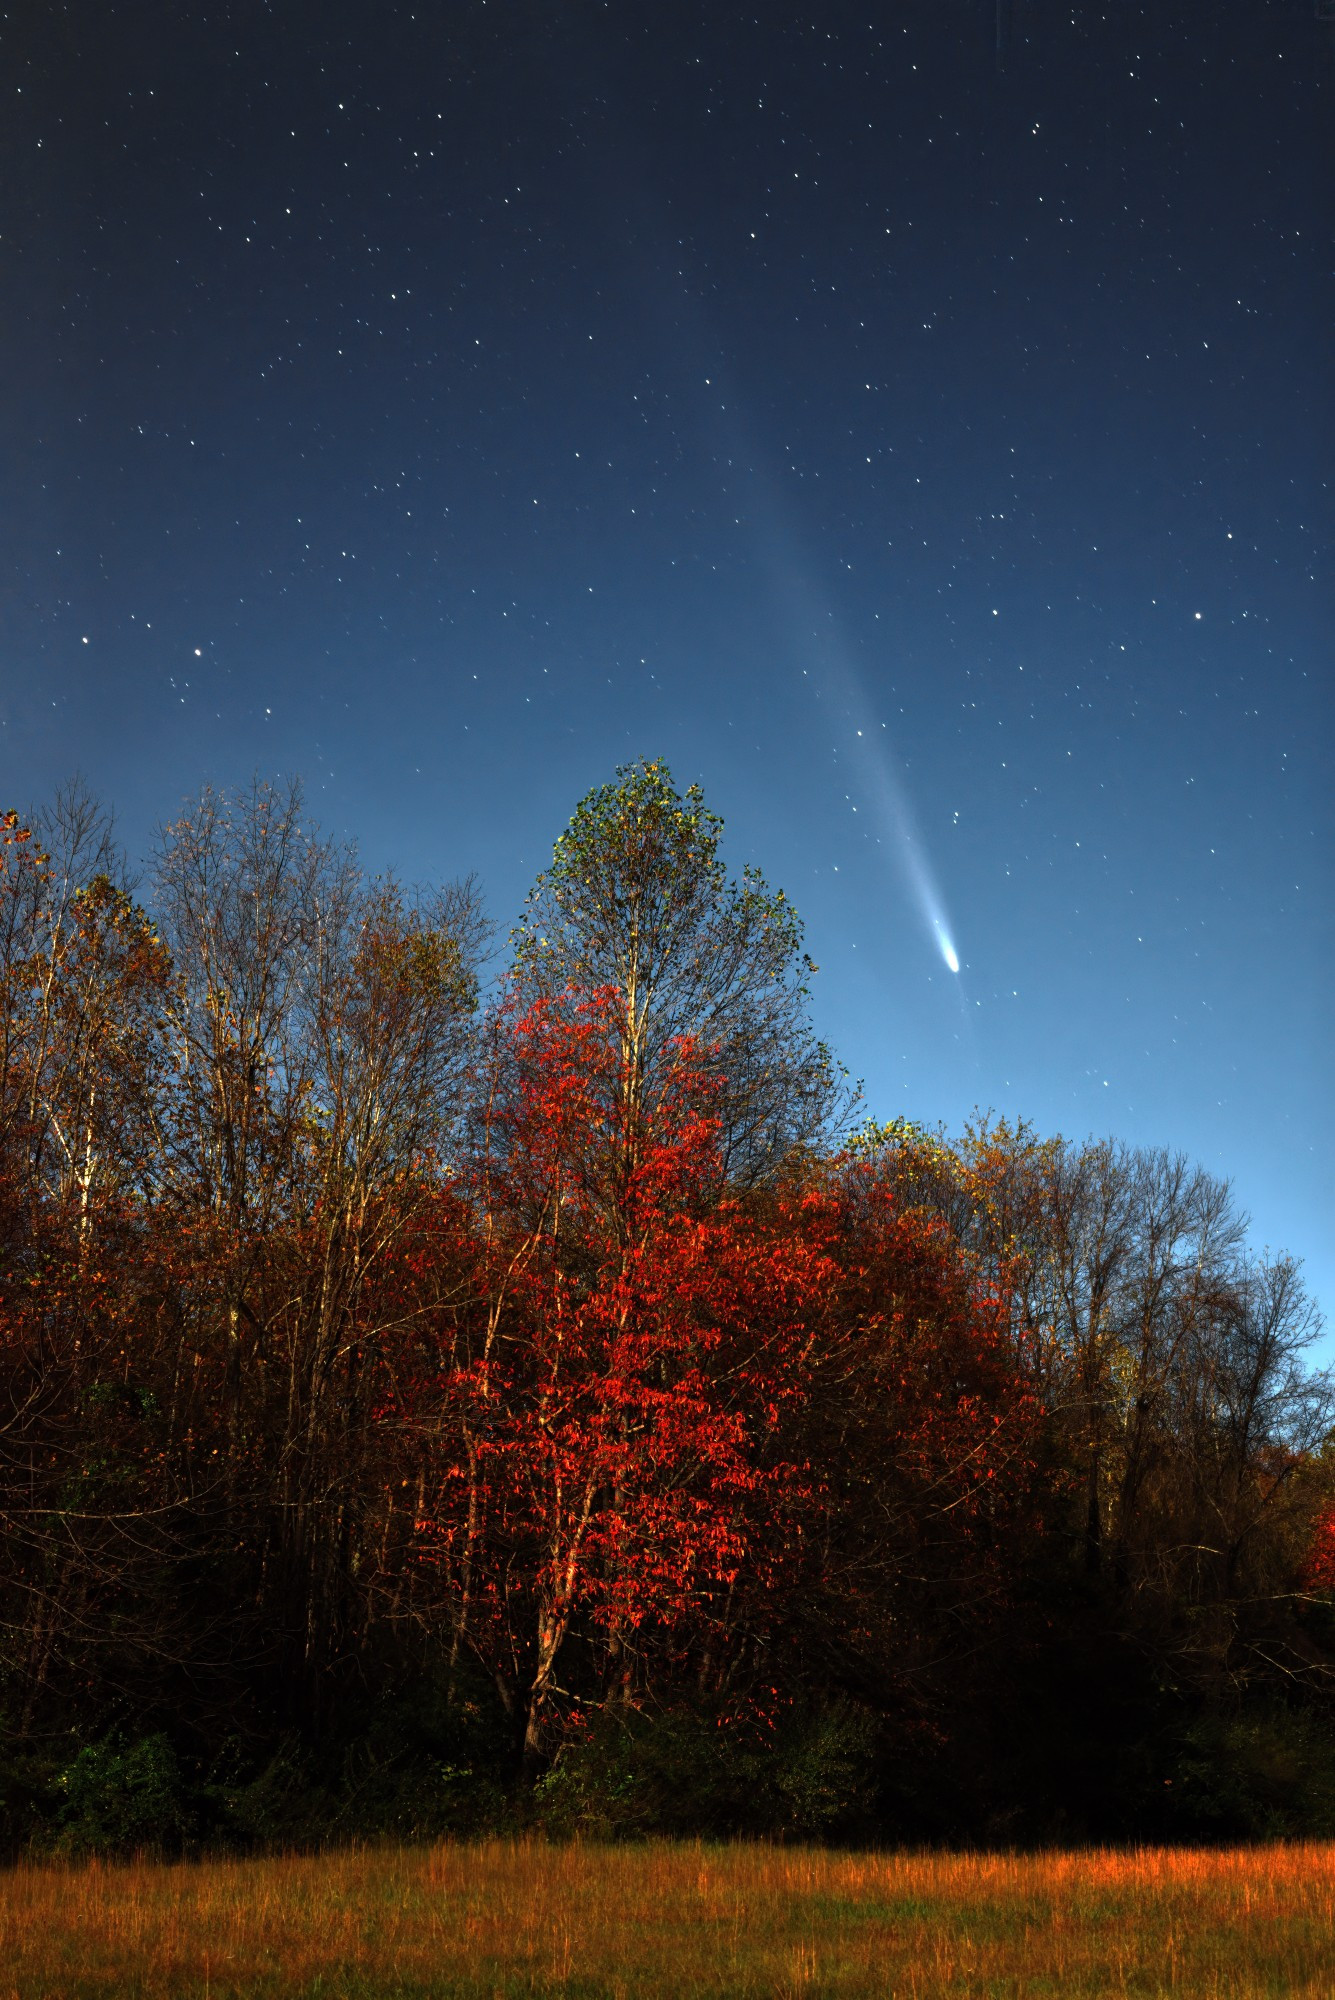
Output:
[[638, 899]]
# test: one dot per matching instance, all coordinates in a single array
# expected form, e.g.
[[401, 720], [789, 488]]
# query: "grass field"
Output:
[[515, 1918]]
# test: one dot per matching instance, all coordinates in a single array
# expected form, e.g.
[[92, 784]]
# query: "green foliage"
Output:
[[122, 1797], [271, 1801], [875, 1136], [1266, 1775], [418, 1764], [824, 1773], [638, 900], [632, 1775]]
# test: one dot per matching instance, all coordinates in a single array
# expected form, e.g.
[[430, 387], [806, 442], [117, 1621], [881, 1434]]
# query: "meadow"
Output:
[[502, 1919]]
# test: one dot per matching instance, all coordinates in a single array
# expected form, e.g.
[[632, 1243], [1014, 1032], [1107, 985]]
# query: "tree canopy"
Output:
[[418, 1414], [638, 901]]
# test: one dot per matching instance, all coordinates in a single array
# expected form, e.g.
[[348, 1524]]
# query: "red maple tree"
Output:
[[615, 1402]]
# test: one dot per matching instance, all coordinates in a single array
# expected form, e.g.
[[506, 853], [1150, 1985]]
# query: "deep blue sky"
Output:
[[450, 408]]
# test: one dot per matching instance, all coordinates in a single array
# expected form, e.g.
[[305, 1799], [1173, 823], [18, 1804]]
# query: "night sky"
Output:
[[911, 421]]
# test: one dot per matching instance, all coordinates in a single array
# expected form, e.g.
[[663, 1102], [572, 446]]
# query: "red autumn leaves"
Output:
[[642, 1392]]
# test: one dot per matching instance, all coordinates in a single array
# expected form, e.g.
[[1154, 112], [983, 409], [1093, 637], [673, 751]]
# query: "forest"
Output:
[[458, 1382]]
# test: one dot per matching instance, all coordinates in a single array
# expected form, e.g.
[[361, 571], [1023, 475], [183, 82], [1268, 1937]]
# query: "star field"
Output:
[[910, 422]]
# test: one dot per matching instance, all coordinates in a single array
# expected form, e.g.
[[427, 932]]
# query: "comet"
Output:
[[887, 792], [834, 673], [885, 789]]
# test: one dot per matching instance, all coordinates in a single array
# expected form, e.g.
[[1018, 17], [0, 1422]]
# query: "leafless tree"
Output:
[[319, 1035]]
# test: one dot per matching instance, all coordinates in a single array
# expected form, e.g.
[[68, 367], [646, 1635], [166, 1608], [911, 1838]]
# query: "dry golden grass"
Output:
[[519, 1918]]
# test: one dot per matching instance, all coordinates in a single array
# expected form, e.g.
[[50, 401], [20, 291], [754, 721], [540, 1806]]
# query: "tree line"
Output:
[[442, 1386]]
